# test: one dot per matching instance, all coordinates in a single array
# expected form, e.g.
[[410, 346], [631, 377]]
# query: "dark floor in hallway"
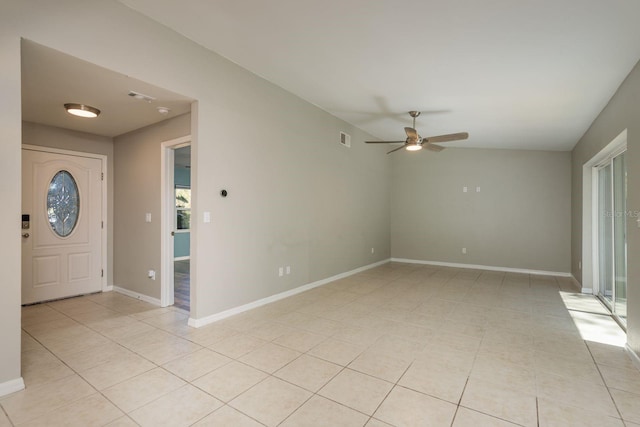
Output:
[[181, 285]]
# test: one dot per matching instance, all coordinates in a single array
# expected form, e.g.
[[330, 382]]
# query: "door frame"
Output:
[[166, 217], [597, 289], [104, 202], [590, 271]]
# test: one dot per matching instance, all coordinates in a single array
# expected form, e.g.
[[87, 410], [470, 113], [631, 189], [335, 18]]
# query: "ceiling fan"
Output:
[[415, 142]]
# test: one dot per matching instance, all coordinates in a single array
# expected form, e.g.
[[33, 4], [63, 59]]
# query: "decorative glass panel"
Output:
[[63, 203]]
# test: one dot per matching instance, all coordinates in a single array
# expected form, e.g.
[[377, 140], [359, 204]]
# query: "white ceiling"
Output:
[[528, 74], [51, 78]]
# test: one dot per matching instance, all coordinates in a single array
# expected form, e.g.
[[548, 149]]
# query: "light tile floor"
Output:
[[398, 345]]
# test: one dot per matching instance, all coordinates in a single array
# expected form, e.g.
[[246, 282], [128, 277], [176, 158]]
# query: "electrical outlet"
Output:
[[280, 271], [464, 189], [373, 250], [464, 250], [288, 270], [151, 274]]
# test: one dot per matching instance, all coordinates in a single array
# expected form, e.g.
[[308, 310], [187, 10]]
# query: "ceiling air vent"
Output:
[[141, 96], [345, 139]]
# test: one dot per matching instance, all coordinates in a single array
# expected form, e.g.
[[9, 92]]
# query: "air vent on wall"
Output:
[[345, 139]]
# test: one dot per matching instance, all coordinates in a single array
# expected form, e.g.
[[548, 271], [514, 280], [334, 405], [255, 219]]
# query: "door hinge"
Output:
[[101, 176], [101, 224], [101, 273]]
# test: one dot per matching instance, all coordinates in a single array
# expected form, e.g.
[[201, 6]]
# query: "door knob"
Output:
[[173, 233], [25, 235]]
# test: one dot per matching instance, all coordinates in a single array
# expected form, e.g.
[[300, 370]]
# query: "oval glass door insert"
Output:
[[63, 203]]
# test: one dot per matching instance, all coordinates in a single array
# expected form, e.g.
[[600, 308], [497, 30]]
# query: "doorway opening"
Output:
[[176, 223], [182, 227], [130, 257]]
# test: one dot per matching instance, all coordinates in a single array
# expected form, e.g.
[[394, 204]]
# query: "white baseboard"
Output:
[[196, 323], [577, 284], [634, 356], [484, 267], [586, 291], [107, 288], [136, 295], [11, 386]]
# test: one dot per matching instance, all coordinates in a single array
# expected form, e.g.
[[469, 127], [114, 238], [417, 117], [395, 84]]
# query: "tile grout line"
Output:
[[75, 373], [127, 414], [408, 283], [460, 401], [162, 367], [6, 415], [469, 377], [615, 404], [111, 340]]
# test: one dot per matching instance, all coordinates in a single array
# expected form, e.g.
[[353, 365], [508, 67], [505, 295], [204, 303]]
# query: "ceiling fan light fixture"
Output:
[[82, 110], [415, 142]]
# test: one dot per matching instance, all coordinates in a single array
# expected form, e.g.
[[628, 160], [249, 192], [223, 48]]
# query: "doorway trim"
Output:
[[589, 206], [104, 213], [166, 216]]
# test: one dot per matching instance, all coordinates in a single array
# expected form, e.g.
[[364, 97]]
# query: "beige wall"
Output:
[[519, 219], [10, 161], [295, 196], [137, 192], [621, 113], [52, 137]]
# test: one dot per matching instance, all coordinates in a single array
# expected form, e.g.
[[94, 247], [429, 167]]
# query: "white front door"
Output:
[[61, 225]]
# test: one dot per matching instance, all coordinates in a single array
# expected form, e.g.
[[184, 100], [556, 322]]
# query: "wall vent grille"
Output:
[[345, 139]]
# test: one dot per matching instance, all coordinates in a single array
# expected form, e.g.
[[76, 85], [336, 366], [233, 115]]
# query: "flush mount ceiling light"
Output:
[[82, 110]]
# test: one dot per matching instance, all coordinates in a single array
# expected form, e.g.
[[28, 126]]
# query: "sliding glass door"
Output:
[[612, 234]]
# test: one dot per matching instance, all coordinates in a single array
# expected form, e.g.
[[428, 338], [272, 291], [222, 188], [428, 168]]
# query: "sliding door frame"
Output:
[[590, 230]]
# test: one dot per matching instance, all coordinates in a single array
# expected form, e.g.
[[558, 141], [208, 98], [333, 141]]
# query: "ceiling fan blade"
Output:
[[433, 147], [448, 137], [395, 149], [385, 142], [411, 133]]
